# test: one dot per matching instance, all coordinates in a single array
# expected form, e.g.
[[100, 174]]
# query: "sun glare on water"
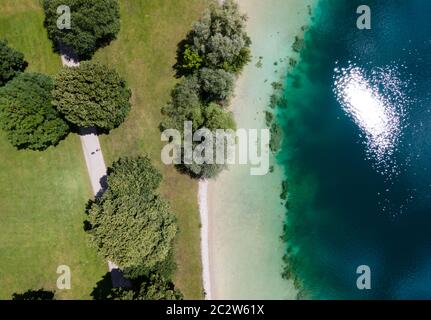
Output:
[[375, 102]]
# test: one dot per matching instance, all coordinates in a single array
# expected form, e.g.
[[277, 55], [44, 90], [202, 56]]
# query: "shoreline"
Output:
[[203, 212], [239, 240]]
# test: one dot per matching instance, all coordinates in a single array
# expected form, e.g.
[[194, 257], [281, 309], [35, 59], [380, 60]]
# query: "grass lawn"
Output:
[[42, 194], [144, 54]]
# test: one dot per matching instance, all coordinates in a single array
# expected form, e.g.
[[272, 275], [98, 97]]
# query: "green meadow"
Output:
[[43, 194], [144, 54]]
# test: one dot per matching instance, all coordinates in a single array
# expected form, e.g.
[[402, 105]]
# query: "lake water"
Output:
[[357, 152]]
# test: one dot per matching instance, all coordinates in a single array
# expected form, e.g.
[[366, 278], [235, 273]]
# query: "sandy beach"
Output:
[[242, 217]]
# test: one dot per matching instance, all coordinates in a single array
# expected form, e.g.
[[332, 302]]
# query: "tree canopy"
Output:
[[26, 113], [92, 95], [214, 118], [185, 105], [218, 41], [94, 24], [217, 85], [153, 288], [131, 224], [208, 60], [11, 63]]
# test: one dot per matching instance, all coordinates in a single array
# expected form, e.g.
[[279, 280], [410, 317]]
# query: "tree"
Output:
[[153, 288], [208, 60], [191, 59], [94, 24], [134, 174], [202, 171], [26, 113], [219, 39], [215, 118], [185, 105], [217, 85], [131, 224], [92, 95], [11, 63]]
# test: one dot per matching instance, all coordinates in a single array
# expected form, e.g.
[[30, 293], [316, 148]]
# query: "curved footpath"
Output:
[[96, 170]]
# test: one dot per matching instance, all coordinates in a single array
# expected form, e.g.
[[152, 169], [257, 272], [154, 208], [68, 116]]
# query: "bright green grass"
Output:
[[42, 194], [144, 54]]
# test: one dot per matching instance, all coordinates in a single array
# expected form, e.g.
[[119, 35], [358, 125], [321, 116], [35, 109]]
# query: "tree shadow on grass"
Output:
[[40, 294], [68, 53], [103, 288], [180, 71]]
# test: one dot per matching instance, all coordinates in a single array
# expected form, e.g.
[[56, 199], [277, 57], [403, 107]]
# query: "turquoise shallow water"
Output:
[[357, 152]]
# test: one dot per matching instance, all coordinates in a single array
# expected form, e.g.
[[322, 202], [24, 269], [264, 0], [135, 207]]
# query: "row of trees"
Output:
[[132, 225], [208, 61], [37, 111]]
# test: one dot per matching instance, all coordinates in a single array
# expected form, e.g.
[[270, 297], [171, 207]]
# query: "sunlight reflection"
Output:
[[376, 104]]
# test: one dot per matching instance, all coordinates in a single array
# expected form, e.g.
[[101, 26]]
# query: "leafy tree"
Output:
[[202, 171], [185, 105], [134, 174], [131, 224], [11, 63], [94, 24], [219, 39], [187, 92], [92, 95], [191, 59], [26, 113], [154, 288], [214, 118], [217, 85], [216, 49]]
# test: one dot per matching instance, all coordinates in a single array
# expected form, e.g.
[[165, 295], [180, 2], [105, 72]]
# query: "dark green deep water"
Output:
[[357, 152]]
